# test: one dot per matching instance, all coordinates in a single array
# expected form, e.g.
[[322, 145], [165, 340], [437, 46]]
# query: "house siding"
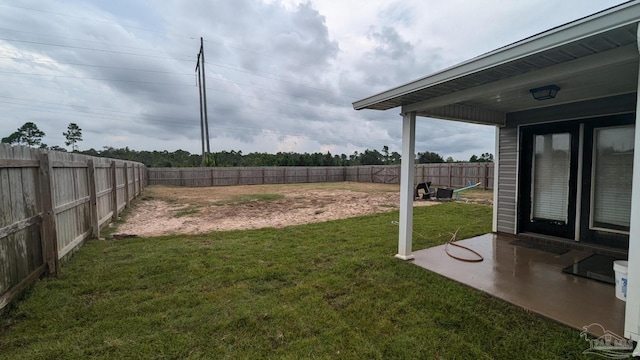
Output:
[[508, 145], [507, 182]]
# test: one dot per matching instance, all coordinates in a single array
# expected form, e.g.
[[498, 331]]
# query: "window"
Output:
[[612, 177], [551, 171]]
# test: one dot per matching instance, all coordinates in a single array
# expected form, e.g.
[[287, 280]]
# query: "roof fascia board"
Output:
[[619, 16], [607, 58]]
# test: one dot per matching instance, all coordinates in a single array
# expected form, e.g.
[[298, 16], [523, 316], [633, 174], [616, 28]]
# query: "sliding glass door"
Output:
[[575, 179], [551, 170], [548, 180], [607, 177]]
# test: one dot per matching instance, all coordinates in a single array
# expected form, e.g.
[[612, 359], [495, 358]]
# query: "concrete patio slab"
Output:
[[530, 278]]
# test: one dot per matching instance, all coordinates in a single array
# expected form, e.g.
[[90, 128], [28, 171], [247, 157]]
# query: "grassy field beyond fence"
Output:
[[327, 290]]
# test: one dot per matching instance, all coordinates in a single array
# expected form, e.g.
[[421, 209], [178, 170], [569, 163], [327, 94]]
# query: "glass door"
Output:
[[547, 193], [607, 178], [551, 169]]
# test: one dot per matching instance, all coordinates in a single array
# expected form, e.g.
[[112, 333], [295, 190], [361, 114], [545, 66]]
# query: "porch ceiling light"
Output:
[[545, 92]]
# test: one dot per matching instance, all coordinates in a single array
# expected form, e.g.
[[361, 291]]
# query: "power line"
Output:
[[183, 122], [270, 90], [143, 29], [261, 110], [96, 20], [83, 91], [285, 81], [229, 67], [135, 81], [82, 40], [89, 108], [224, 66], [229, 129], [258, 53], [92, 78], [91, 49], [89, 65], [279, 102], [342, 114], [171, 84]]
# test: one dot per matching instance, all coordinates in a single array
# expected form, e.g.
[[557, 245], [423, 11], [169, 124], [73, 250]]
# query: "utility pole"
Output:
[[201, 116], [203, 98]]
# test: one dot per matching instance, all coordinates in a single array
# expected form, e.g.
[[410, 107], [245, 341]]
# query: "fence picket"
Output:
[[442, 174], [45, 210]]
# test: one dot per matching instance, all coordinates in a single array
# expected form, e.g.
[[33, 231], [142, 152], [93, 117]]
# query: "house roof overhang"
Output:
[[590, 58]]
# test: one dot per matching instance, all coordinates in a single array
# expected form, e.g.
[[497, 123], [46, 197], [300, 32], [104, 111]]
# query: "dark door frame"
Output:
[[542, 226], [586, 235]]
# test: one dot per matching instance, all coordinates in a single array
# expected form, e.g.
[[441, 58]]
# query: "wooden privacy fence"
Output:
[[443, 174], [50, 202]]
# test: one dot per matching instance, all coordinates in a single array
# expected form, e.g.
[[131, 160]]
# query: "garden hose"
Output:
[[452, 242]]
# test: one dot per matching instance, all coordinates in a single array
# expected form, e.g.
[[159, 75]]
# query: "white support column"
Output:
[[632, 310], [407, 169], [496, 171]]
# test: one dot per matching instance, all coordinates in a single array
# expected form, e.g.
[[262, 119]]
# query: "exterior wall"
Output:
[[508, 145], [507, 180]]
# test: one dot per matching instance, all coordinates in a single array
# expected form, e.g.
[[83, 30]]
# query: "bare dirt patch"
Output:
[[167, 210]]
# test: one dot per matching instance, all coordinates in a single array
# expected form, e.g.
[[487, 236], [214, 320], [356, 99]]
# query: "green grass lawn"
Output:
[[326, 290]]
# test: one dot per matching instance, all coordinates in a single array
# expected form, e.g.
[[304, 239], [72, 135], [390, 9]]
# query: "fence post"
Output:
[[485, 183], [450, 174], [49, 232], [135, 181], [139, 180], [114, 190], [126, 185], [133, 177], [93, 199]]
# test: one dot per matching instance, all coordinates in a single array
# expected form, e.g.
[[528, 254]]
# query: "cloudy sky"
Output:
[[280, 75]]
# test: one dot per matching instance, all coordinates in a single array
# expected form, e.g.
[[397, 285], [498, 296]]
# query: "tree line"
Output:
[[182, 158], [29, 135]]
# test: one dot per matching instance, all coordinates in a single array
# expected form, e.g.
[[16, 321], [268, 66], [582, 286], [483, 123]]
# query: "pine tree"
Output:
[[27, 134], [73, 136]]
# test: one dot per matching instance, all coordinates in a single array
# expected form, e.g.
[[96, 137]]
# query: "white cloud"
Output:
[[281, 74]]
